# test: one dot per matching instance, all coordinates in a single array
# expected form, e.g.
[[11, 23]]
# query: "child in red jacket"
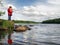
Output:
[[9, 12]]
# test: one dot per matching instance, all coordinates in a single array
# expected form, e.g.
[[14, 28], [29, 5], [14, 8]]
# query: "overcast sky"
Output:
[[33, 10]]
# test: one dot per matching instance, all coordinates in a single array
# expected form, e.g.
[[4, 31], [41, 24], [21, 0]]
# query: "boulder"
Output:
[[21, 28]]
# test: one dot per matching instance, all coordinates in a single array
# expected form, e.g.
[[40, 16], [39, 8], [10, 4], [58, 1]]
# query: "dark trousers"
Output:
[[9, 17]]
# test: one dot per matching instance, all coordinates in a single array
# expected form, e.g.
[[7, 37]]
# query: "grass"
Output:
[[6, 24]]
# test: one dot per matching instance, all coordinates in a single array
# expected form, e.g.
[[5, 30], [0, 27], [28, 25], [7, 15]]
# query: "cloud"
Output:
[[54, 2], [6, 6], [39, 10]]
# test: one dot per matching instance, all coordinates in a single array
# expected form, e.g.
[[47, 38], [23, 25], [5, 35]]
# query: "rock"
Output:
[[31, 25], [29, 28], [21, 28], [3, 29]]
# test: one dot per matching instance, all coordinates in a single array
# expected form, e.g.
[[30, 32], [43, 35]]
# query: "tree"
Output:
[[1, 13], [1, 4]]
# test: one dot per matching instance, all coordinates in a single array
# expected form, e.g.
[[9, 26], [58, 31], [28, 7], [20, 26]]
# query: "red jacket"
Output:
[[9, 41], [10, 11]]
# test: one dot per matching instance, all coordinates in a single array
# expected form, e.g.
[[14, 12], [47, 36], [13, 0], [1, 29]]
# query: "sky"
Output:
[[32, 10]]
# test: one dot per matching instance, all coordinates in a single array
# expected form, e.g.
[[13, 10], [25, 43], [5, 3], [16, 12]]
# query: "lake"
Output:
[[40, 34]]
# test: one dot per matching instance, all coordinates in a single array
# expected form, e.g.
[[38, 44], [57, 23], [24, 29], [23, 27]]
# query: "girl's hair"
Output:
[[10, 6]]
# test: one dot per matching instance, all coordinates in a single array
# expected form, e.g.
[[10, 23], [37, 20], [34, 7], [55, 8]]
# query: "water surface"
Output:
[[40, 34]]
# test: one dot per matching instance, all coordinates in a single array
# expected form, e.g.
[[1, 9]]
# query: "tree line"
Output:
[[52, 21]]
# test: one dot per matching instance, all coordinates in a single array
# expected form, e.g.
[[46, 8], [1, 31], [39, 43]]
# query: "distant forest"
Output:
[[57, 21], [20, 21]]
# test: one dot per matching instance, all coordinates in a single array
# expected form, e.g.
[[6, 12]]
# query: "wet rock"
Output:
[[31, 25], [22, 28]]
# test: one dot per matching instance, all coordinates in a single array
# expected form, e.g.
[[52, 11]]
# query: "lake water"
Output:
[[40, 34]]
